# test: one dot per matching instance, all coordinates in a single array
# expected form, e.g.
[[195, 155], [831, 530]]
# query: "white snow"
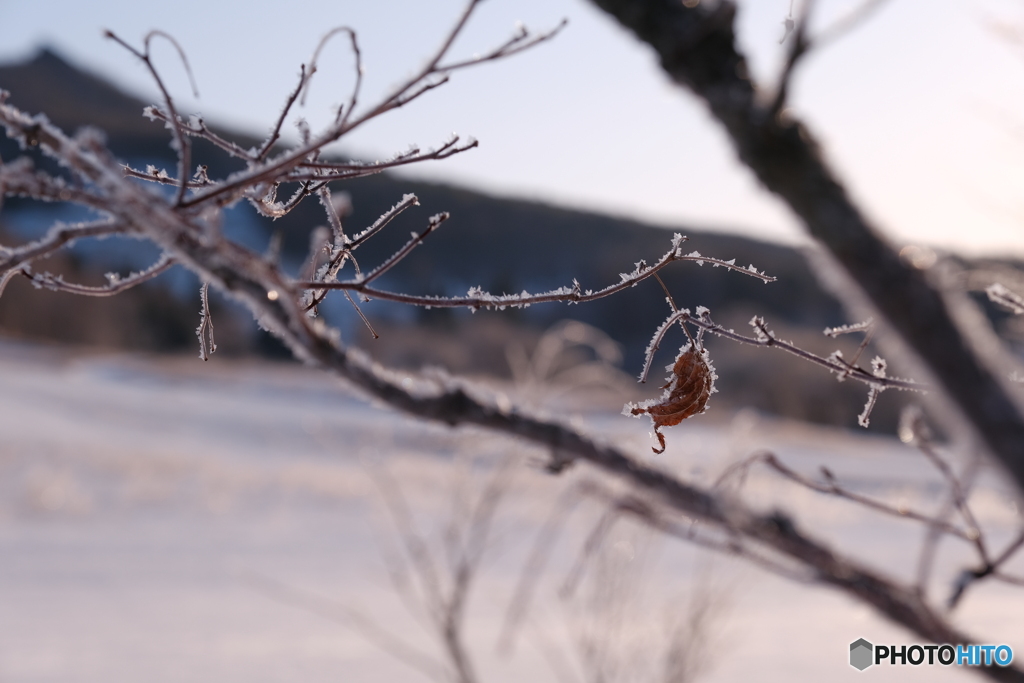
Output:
[[147, 504]]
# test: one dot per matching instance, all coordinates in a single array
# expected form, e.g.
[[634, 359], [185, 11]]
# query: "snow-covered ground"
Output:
[[173, 520]]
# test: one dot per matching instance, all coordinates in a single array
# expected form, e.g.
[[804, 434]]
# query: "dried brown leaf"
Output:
[[686, 394]]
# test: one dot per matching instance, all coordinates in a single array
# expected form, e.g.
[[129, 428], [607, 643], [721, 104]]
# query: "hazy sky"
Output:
[[921, 109]]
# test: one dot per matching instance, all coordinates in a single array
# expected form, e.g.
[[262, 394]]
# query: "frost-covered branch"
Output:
[[181, 141], [341, 252], [385, 218], [207, 344], [196, 127], [698, 49], [19, 178], [57, 237], [115, 285], [158, 175], [765, 337], [417, 239], [344, 171], [477, 298], [431, 76]]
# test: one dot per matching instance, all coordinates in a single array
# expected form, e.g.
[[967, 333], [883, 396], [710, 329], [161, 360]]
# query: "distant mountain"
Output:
[[72, 98], [503, 245]]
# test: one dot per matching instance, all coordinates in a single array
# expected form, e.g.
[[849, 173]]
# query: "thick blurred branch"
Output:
[[697, 48]]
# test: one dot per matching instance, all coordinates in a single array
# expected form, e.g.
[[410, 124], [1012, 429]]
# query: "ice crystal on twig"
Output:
[[848, 329], [878, 367], [207, 345]]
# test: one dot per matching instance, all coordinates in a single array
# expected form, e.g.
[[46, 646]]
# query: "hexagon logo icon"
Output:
[[860, 654]]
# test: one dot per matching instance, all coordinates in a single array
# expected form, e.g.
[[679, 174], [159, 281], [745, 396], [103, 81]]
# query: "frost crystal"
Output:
[[677, 241], [846, 329]]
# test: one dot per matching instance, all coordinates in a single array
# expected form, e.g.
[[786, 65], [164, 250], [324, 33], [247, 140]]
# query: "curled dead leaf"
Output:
[[686, 394]]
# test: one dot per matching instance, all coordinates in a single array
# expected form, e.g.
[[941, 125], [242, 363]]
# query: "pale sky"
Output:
[[921, 108]]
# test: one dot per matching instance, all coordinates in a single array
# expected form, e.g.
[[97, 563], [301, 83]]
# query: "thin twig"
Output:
[[184, 148], [207, 345], [58, 236], [275, 133], [798, 47], [478, 299], [417, 85], [832, 487], [115, 286], [390, 262]]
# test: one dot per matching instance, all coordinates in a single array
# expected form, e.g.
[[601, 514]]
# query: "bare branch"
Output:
[[864, 419], [865, 326], [160, 176], [477, 298], [832, 487], [517, 43], [275, 133], [116, 285], [765, 337], [57, 237], [729, 265], [801, 44], [354, 98], [345, 171], [19, 179], [385, 218], [7, 277], [416, 240], [184, 148], [868, 327], [798, 47], [337, 230], [343, 248], [677, 316], [207, 345], [913, 430], [196, 127], [417, 85], [362, 316], [697, 47]]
